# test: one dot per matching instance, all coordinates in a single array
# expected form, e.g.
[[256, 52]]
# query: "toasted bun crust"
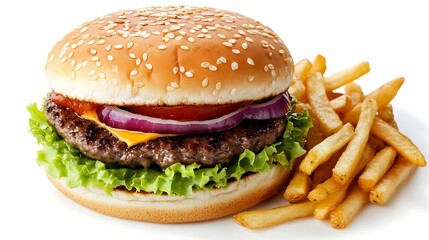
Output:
[[170, 56], [201, 206]]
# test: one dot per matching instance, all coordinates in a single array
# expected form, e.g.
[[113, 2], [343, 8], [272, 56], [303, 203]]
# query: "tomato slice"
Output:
[[179, 113], [186, 113], [80, 107]]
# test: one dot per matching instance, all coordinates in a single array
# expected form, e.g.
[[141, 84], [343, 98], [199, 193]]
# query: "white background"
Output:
[[392, 36]]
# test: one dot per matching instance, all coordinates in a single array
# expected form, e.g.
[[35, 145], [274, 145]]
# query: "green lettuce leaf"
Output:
[[63, 161]]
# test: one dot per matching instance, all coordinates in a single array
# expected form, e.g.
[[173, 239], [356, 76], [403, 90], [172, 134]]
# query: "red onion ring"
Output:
[[118, 118]]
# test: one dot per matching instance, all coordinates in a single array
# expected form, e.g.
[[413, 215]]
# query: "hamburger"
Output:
[[169, 114]]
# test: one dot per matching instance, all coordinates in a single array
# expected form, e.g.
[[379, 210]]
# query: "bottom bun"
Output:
[[200, 206]]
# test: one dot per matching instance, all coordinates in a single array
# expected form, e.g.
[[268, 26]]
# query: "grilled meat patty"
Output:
[[206, 149]]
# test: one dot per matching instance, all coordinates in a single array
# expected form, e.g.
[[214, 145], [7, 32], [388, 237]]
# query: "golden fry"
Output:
[[341, 104], [383, 95], [266, 218], [297, 90], [346, 76], [376, 168], [325, 206], [302, 68], [388, 185], [386, 113], [324, 150], [349, 208], [298, 187], [318, 65], [324, 171], [329, 121], [354, 92], [314, 135], [402, 144], [349, 160]]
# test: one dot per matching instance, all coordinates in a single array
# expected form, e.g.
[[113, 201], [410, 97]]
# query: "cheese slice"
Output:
[[131, 138]]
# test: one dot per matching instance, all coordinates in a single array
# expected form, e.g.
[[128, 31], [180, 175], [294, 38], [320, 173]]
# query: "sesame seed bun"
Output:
[[201, 206], [170, 56]]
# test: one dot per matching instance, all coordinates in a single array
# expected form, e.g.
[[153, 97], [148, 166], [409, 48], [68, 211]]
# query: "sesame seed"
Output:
[[234, 66], [250, 61], [182, 69], [175, 70], [63, 59], [244, 45], [251, 78], [232, 40], [92, 73], [93, 51], [80, 42], [133, 73], [183, 47], [249, 39], [162, 47], [181, 32], [73, 62], [236, 51], [273, 73], [174, 85], [242, 32], [212, 68], [208, 36], [132, 55], [144, 57], [178, 38], [84, 63], [73, 74], [101, 42], [233, 91], [205, 82], [74, 45], [138, 61], [201, 35], [90, 42], [70, 55], [95, 58], [130, 45], [52, 58], [266, 68], [108, 47], [98, 64], [170, 35], [228, 44], [78, 66], [205, 64], [221, 36], [265, 43], [110, 57], [118, 46], [281, 51], [149, 66], [236, 35], [102, 75], [191, 39], [189, 74], [218, 86], [270, 66], [85, 36]]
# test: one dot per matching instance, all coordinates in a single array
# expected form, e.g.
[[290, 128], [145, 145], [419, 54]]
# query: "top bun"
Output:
[[170, 56]]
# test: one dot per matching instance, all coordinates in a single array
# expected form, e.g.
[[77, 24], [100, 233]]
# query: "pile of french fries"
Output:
[[355, 152]]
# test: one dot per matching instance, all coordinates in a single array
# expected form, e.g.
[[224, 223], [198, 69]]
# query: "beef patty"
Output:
[[205, 149]]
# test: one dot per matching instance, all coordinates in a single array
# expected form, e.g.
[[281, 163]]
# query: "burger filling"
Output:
[[205, 149]]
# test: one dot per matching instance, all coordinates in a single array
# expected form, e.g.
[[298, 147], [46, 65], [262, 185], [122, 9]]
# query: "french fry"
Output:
[[346, 76], [389, 184], [318, 65], [349, 208], [341, 104], [402, 144], [331, 186], [376, 168], [298, 187], [383, 95], [297, 90], [269, 217], [329, 121], [324, 150], [302, 68], [314, 135], [325, 206], [354, 92], [349, 160], [324, 171], [386, 113]]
